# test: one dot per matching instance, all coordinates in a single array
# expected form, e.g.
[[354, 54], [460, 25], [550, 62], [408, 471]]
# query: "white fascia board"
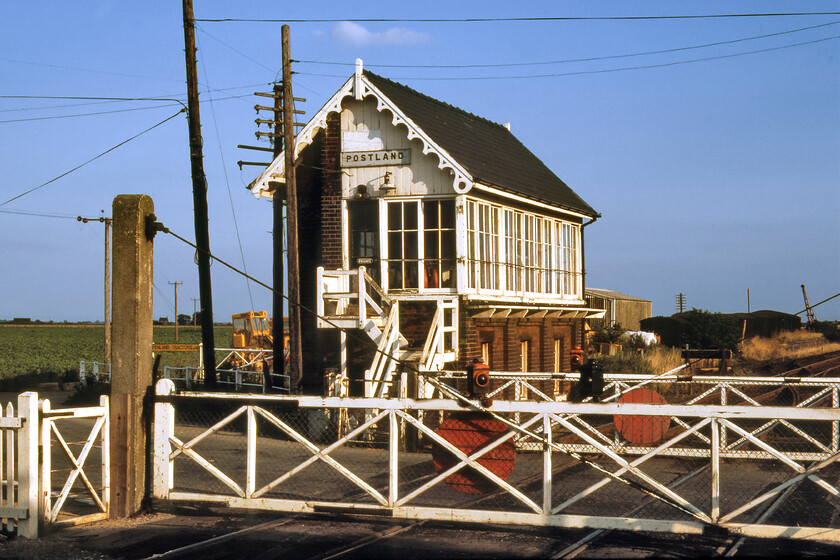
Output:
[[276, 171], [462, 180], [531, 201]]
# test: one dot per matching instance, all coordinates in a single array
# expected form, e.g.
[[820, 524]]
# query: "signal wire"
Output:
[[93, 158]]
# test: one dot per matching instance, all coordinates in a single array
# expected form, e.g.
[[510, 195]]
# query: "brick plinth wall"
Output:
[[331, 194]]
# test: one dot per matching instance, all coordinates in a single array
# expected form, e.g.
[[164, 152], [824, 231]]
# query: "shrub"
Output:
[[705, 329], [610, 335]]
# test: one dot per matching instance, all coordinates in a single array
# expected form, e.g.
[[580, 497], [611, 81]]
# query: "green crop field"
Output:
[[52, 350]]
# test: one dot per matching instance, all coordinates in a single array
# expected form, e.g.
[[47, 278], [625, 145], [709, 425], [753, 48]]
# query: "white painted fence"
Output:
[[19, 466], [283, 454]]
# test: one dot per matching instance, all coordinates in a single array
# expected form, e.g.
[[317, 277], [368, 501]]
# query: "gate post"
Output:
[[27, 457], [164, 426], [131, 373]]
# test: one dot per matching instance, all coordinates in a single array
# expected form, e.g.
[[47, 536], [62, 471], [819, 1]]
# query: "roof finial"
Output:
[[357, 82]]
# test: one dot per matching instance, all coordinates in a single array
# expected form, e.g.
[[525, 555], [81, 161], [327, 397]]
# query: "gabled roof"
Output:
[[611, 294], [487, 150], [476, 150]]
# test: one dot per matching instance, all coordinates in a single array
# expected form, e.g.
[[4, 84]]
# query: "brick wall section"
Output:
[[331, 196], [416, 320], [469, 347], [505, 337]]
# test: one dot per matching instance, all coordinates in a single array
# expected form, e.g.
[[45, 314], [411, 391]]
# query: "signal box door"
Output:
[[364, 235]]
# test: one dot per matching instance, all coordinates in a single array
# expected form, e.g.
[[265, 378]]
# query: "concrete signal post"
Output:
[[131, 368]]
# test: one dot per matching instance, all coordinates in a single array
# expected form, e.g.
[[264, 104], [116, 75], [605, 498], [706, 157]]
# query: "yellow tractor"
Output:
[[251, 338]]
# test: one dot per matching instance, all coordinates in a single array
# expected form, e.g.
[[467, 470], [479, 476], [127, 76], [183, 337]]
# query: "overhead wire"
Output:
[[515, 19], [227, 181], [585, 59], [603, 71], [111, 112], [111, 149], [38, 214]]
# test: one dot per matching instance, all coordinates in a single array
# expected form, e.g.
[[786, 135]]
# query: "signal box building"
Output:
[[432, 235]]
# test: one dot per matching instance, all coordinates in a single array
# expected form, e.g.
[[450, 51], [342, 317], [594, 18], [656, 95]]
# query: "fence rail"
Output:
[[408, 459]]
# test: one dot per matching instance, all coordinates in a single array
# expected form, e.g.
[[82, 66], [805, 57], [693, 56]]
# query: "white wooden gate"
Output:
[[39, 489], [283, 454], [79, 434]]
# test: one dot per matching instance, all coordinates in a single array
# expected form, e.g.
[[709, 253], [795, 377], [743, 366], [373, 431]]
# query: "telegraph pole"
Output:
[[295, 346], [176, 308], [680, 302], [199, 181], [278, 326], [107, 290], [107, 222], [194, 317]]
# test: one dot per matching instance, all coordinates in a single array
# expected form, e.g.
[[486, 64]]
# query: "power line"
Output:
[[587, 59], [96, 113], [93, 158], [240, 53], [605, 71], [516, 19], [38, 214], [227, 182]]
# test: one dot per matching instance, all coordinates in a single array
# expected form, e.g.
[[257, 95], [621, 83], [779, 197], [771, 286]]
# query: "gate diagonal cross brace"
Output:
[[802, 471], [623, 462], [470, 460], [78, 467], [653, 452], [326, 451], [692, 511], [318, 454]]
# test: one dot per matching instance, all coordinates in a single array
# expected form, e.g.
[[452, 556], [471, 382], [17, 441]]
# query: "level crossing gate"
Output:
[[760, 471]]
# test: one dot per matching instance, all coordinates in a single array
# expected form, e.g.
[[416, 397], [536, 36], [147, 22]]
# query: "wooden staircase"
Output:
[[351, 299]]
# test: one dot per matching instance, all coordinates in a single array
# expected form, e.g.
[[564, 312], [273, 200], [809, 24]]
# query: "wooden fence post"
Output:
[[27, 457], [131, 359]]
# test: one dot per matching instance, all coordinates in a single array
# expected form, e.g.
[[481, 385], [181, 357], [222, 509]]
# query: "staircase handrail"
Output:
[[384, 357], [433, 340]]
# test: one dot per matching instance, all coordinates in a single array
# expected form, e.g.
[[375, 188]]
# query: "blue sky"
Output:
[[716, 169]]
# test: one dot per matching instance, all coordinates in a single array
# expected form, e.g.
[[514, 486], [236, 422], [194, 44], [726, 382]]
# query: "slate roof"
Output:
[[487, 150]]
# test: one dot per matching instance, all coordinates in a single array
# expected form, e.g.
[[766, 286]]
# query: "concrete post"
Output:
[[131, 367]]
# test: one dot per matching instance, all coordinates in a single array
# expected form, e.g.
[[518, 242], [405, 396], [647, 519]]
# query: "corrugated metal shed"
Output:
[[622, 309]]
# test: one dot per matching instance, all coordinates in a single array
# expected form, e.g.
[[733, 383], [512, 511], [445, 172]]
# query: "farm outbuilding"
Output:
[[621, 309]]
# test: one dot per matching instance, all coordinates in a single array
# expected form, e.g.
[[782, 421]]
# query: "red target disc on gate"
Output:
[[642, 430], [469, 432]]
